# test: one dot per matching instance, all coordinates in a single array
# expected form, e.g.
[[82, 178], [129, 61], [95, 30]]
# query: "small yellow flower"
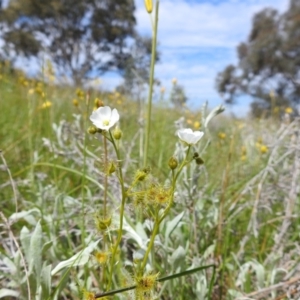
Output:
[[102, 257], [30, 91], [162, 90], [25, 83], [174, 81], [98, 102], [288, 110], [88, 295], [263, 149], [244, 151], [222, 135], [46, 104], [75, 102], [146, 283], [159, 195], [197, 124], [163, 196], [189, 121], [39, 90], [80, 94], [243, 158]]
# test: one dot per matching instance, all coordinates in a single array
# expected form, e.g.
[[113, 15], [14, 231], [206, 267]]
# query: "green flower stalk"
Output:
[[122, 209], [105, 118], [190, 138], [161, 217], [151, 80]]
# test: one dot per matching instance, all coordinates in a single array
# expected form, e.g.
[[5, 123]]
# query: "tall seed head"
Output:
[[149, 6]]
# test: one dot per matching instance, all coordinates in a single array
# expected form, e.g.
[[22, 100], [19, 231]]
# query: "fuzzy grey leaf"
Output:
[[35, 254], [78, 259], [171, 225], [8, 293], [46, 281]]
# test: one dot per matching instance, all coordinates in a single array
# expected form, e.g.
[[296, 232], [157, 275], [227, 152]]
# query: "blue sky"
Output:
[[197, 39]]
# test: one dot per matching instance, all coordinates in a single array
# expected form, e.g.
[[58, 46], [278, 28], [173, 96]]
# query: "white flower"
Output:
[[189, 136], [104, 118]]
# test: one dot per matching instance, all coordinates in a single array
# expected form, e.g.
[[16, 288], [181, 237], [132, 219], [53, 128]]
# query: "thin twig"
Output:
[[271, 288]]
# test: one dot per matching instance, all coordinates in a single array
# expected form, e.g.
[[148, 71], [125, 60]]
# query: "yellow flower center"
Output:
[[106, 122]]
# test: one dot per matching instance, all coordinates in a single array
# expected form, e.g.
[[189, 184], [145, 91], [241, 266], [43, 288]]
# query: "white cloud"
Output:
[[198, 39], [203, 23]]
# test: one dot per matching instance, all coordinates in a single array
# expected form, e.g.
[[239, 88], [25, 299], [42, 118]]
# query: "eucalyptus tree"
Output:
[[81, 37], [268, 62]]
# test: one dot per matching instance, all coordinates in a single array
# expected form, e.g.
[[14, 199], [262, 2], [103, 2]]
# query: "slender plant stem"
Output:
[[104, 271], [105, 176], [150, 245], [83, 178], [30, 142], [119, 237], [151, 80]]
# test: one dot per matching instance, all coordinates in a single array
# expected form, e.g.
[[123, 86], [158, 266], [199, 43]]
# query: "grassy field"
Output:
[[236, 215]]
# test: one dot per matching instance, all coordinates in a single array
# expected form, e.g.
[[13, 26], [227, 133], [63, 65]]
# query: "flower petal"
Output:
[[105, 112], [114, 117], [94, 117], [189, 136], [104, 118]]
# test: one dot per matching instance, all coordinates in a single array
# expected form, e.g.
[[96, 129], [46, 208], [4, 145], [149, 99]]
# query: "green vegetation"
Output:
[[106, 197], [237, 211]]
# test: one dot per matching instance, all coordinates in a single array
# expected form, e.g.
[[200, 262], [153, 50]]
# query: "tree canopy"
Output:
[[79, 37], [269, 62]]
